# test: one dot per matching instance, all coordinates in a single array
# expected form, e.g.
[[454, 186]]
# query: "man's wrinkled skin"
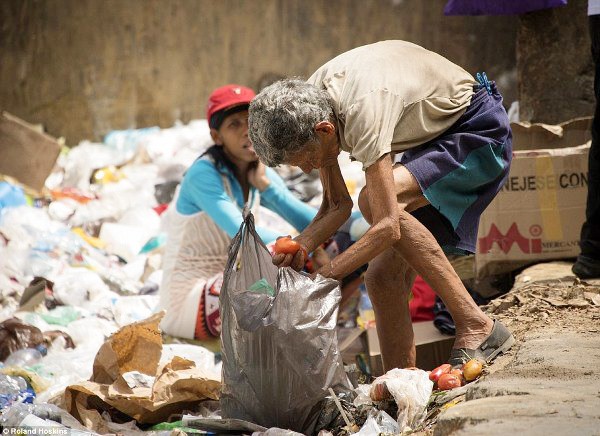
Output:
[[397, 247]]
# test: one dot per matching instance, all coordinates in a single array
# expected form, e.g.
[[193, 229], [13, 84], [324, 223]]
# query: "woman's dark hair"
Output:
[[217, 153]]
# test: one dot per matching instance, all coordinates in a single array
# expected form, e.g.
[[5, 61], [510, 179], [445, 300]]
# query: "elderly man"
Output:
[[374, 102]]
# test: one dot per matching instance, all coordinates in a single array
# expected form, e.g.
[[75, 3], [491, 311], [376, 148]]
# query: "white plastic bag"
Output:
[[377, 424], [411, 390]]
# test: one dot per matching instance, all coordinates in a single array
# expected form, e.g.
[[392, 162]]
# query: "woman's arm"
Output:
[[385, 228], [202, 190], [278, 198]]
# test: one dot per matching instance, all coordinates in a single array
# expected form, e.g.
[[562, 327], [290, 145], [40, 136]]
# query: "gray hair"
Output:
[[282, 118]]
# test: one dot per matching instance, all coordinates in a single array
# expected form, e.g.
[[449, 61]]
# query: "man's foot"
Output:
[[473, 332], [586, 267], [499, 341]]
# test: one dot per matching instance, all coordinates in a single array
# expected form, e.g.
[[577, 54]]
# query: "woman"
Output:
[[207, 212]]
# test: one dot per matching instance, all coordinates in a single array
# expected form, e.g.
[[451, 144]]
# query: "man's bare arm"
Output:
[[385, 228], [334, 211]]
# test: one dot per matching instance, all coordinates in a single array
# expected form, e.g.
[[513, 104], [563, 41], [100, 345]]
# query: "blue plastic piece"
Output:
[[11, 195]]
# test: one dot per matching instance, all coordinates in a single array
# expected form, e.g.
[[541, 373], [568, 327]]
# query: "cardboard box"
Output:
[[537, 216], [26, 154], [528, 136], [351, 341], [433, 347]]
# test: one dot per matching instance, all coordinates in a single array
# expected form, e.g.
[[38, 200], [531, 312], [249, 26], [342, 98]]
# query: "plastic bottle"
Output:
[[15, 414], [10, 389], [23, 358], [366, 315]]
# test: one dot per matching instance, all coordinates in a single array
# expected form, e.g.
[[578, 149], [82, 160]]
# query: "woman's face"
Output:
[[233, 136]]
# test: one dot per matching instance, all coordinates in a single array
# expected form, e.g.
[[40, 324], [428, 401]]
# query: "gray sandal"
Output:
[[499, 341]]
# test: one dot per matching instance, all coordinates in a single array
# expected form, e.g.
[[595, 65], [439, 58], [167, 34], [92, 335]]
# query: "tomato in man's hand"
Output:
[[286, 245]]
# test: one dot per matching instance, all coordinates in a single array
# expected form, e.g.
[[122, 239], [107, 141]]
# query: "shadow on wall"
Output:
[[85, 69], [268, 79]]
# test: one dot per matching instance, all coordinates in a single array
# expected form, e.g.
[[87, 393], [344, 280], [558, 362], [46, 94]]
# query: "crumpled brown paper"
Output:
[[178, 385]]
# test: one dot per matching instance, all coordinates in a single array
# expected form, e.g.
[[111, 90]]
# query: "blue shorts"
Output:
[[462, 170]]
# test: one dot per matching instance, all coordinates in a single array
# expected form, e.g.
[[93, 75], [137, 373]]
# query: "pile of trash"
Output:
[[80, 345], [80, 270], [80, 260]]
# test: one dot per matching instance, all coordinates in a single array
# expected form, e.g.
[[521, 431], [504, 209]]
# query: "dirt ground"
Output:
[[548, 382]]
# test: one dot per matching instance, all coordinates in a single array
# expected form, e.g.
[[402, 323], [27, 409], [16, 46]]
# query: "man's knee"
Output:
[[363, 205], [383, 284]]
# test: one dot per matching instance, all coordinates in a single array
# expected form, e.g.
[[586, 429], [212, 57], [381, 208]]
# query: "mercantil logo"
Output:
[[513, 236]]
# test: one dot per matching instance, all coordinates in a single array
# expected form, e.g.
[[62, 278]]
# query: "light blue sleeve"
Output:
[[280, 200], [202, 190]]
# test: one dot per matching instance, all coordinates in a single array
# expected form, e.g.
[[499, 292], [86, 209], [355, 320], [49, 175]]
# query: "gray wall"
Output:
[[85, 67], [555, 67]]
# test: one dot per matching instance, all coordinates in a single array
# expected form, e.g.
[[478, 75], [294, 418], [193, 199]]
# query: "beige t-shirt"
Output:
[[392, 96]]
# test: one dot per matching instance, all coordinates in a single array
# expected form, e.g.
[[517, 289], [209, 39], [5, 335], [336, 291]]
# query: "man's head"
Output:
[[290, 120]]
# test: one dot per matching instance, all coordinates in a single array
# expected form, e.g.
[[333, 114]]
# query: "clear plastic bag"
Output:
[[279, 343], [378, 423], [411, 390]]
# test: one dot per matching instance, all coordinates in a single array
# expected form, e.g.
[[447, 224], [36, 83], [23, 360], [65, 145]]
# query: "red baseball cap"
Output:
[[228, 96]]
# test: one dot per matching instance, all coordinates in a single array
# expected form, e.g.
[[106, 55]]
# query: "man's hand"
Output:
[[257, 176], [288, 252]]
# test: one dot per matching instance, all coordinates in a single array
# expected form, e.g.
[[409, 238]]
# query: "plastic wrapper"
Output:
[[23, 358], [82, 288], [380, 423], [362, 395], [411, 390], [13, 416], [11, 195], [279, 343]]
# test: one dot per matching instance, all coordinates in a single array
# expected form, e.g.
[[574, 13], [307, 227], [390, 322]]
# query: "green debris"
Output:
[[262, 287]]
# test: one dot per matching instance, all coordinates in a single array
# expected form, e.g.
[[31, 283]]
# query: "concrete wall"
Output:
[[555, 68], [85, 67]]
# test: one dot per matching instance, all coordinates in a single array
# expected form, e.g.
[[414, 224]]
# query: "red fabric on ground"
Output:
[[421, 305]]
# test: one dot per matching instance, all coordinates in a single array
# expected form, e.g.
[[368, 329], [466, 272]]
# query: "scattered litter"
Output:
[[148, 397], [411, 390], [379, 423]]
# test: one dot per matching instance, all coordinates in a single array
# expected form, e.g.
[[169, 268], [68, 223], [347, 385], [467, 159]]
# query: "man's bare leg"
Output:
[[389, 280], [421, 251]]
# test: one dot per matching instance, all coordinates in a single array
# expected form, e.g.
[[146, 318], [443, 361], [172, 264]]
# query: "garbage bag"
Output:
[[16, 335], [278, 337]]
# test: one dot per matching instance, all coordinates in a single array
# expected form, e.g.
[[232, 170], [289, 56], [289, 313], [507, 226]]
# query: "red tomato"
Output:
[[436, 373], [448, 381], [286, 245], [458, 372]]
